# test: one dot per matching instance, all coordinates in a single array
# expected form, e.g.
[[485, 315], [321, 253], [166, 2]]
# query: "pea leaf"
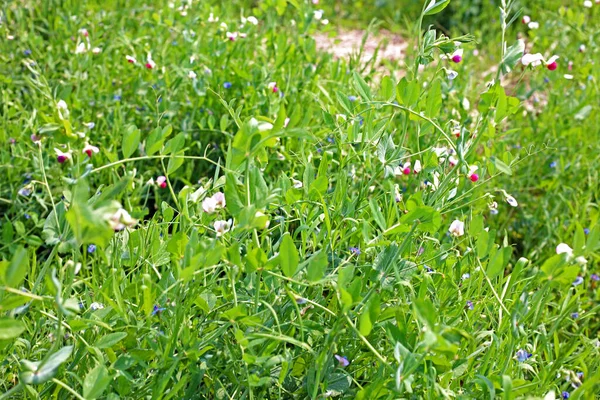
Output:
[[96, 382], [288, 256], [435, 7], [110, 340], [131, 141], [10, 328]]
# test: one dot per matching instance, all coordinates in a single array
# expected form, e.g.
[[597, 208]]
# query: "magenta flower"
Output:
[[161, 181]]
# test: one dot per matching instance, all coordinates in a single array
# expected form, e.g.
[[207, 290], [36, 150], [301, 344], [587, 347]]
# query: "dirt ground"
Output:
[[389, 46]]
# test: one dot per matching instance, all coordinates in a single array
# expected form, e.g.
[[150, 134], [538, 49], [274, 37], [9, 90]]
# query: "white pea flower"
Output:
[[564, 248], [457, 228], [222, 227]]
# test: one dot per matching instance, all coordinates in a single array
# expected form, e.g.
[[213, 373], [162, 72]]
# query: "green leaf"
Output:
[[175, 163], [110, 340], [387, 88], [361, 87], [436, 6], [288, 256], [47, 369], [131, 141], [425, 311], [583, 113], [15, 273], [434, 99], [10, 328], [317, 265], [501, 166], [96, 382], [157, 138], [513, 55]]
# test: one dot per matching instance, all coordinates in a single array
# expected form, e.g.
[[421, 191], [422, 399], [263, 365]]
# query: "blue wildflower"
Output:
[[579, 375], [117, 97], [27, 216], [586, 231], [227, 85], [428, 269], [352, 98], [578, 281], [522, 355], [565, 395], [355, 251], [27, 52], [595, 277], [470, 305], [300, 300], [157, 309], [553, 164], [546, 80], [575, 315], [342, 360], [91, 248]]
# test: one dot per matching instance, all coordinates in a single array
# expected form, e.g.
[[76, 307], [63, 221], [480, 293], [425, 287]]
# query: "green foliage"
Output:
[[253, 218]]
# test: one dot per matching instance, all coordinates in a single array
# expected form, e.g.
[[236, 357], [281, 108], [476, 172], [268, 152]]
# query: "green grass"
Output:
[[328, 272]]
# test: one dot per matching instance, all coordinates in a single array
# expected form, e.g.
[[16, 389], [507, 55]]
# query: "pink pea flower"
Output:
[[90, 150], [457, 56], [161, 181], [526, 19], [131, 59], [61, 156], [150, 64], [273, 86], [472, 173], [551, 63], [406, 168]]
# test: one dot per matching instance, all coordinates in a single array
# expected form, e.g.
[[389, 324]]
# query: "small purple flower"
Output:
[[565, 395], [546, 80], [91, 248], [470, 305], [227, 85], [27, 216], [157, 309], [355, 251], [301, 300], [12, 141], [522, 355], [35, 138], [595, 277], [352, 98], [428, 269], [24, 191], [117, 97], [578, 281], [553, 164], [342, 360], [330, 139], [27, 52], [586, 231], [579, 375], [575, 315]]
